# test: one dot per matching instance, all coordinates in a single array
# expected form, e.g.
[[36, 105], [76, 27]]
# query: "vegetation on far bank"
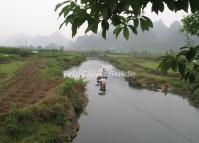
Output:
[[147, 75], [38, 104]]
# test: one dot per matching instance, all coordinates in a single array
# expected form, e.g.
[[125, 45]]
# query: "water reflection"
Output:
[[102, 93]]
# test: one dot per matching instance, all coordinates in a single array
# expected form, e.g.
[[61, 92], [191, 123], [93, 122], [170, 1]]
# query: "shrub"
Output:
[[16, 51], [43, 122], [74, 90], [52, 71]]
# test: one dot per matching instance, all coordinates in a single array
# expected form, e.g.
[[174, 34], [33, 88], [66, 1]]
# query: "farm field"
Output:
[[33, 92]]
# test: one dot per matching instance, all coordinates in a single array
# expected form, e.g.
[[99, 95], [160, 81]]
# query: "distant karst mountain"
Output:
[[158, 39], [21, 40]]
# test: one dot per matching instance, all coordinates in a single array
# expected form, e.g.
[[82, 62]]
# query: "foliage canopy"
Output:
[[186, 62], [122, 14], [191, 24]]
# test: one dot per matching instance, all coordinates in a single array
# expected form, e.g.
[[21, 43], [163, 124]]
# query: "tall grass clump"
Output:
[[44, 122], [74, 90], [50, 120]]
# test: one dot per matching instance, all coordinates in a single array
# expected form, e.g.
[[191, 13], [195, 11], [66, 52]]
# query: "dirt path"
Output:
[[28, 88]]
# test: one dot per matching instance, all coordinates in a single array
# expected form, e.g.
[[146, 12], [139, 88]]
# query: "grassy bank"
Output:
[[53, 119], [7, 72], [40, 105], [147, 75]]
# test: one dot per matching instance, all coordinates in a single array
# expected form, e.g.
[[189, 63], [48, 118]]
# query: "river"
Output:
[[128, 115]]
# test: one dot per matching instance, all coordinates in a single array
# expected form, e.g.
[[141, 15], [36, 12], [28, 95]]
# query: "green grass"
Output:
[[73, 89], [43, 122], [146, 71], [50, 119], [7, 72], [149, 64], [10, 68], [16, 51], [59, 62], [5, 58]]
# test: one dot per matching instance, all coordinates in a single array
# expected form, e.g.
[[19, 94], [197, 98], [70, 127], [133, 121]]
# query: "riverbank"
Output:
[[125, 114], [38, 104], [147, 76]]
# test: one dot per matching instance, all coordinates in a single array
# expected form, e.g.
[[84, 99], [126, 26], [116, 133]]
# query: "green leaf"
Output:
[[104, 12], [150, 23], [126, 32], [191, 54], [144, 24], [183, 4], [117, 31], [67, 20], [182, 68], [192, 77], [184, 47], [186, 75], [133, 29], [104, 34], [136, 22], [113, 5], [105, 25], [94, 27], [170, 4], [62, 25], [136, 6], [116, 20], [74, 29], [65, 11], [194, 4], [59, 5], [158, 6]]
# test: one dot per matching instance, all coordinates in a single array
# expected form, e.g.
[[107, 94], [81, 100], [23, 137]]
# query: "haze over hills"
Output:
[[159, 39], [22, 40]]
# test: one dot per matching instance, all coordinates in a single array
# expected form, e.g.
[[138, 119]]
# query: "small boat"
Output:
[[102, 89]]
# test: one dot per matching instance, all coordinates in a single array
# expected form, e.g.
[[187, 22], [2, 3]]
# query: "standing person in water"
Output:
[[99, 77], [104, 75], [103, 84], [165, 88]]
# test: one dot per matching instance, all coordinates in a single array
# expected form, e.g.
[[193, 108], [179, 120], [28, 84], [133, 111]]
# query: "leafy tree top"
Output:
[[124, 15], [191, 24]]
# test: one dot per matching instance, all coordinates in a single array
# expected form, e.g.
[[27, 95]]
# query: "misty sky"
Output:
[[34, 17]]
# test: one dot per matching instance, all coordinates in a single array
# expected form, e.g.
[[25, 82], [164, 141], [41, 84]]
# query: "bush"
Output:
[[74, 90], [71, 86], [43, 122], [16, 51], [52, 71], [7, 57]]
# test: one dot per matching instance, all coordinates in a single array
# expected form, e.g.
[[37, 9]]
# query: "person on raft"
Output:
[[103, 84], [99, 77]]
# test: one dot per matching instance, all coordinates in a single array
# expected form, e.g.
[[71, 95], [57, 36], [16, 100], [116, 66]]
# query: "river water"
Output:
[[127, 115]]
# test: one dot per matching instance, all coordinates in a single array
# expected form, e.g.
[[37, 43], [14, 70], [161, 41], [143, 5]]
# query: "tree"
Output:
[[186, 62], [124, 15], [191, 24]]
